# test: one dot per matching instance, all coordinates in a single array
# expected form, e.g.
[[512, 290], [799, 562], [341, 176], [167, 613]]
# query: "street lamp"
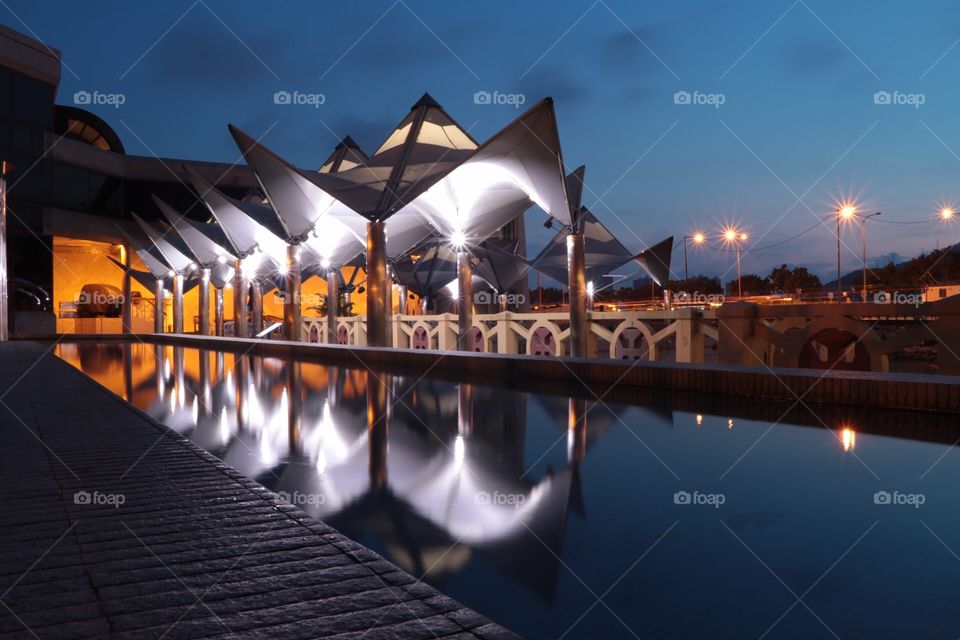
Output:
[[698, 238], [947, 213], [736, 237], [843, 213], [863, 236]]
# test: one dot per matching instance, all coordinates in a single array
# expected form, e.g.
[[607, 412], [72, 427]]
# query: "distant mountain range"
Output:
[[937, 267]]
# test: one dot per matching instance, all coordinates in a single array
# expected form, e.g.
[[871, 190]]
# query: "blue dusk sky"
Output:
[[689, 115]]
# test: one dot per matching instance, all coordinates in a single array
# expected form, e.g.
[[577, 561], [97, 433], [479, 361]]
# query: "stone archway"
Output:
[[841, 344]]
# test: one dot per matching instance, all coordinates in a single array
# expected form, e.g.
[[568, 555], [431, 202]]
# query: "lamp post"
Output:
[[863, 236], [736, 237], [843, 213], [698, 238], [4, 294]]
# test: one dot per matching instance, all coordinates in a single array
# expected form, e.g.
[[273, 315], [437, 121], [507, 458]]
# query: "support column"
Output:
[[126, 313], [294, 408], [402, 307], [576, 430], [378, 413], [377, 286], [158, 307], [218, 311], [576, 266], [240, 286], [204, 298], [333, 302], [178, 303], [465, 295], [291, 299], [256, 299], [4, 276]]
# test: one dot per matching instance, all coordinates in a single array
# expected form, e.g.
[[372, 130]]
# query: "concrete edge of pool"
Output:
[[191, 534], [900, 391]]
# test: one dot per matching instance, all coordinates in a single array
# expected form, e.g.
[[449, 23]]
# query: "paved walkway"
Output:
[[195, 550]]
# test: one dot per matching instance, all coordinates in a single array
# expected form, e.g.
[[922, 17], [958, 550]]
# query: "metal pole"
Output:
[[158, 307], [204, 329], [839, 288], [256, 302], [863, 236], [4, 293], [402, 294], [218, 311], [333, 313], [127, 305], [465, 307], [576, 267], [686, 268], [178, 303], [376, 284], [240, 286], [739, 285], [291, 299]]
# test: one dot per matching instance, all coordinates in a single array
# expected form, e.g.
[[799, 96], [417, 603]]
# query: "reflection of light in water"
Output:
[[848, 439], [459, 453], [699, 419], [166, 368], [274, 428], [196, 411], [326, 441], [173, 403], [730, 423], [224, 425]]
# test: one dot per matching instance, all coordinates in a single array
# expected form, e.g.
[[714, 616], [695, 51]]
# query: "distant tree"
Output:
[[697, 284], [753, 285], [789, 280]]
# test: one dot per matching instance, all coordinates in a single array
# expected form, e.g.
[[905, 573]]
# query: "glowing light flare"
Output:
[[699, 419], [458, 240], [699, 238], [847, 211], [947, 213]]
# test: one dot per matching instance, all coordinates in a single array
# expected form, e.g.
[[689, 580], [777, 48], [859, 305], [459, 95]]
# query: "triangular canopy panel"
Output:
[[205, 251], [602, 252], [178, 261], [656, 260]]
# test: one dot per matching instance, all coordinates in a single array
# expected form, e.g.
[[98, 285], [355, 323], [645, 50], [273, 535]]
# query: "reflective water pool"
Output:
[[655, 516]]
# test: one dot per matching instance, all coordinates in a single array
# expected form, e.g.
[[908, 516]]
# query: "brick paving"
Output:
[[195, 550]]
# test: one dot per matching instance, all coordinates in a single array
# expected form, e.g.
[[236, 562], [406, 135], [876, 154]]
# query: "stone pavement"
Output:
[[114, 526]]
